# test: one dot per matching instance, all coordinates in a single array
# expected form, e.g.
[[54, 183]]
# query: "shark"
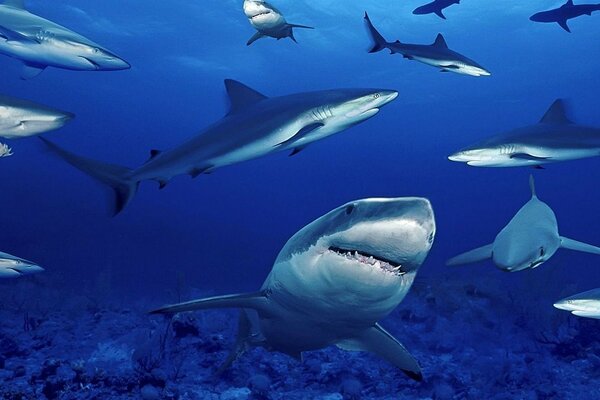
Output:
[[435, 7], [22, 118], [586, 304], [527, 241], [255, 126], [40, 43], [268, 21], [334, 280], [15, 267], [437, 54], [564, 13], [554, 138]]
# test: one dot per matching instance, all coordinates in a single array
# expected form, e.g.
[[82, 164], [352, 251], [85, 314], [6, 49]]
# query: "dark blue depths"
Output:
[[80, 329]]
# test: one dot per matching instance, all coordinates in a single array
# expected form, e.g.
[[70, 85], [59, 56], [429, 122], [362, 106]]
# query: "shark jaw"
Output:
[[366, 252]]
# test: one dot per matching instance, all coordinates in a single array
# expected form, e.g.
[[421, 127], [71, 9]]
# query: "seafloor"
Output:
[[473, 341]]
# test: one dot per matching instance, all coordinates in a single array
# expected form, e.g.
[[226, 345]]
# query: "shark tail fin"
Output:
[[112, 175], [475, 255], [379, 41], [257, 301], [571, 244]]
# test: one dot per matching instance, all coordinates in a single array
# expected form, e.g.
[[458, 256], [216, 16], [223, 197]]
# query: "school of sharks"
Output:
[[337, 277]]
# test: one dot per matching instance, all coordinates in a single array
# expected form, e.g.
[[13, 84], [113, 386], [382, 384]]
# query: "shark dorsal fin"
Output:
[[241, 96], [532, 186], [440, 41], [556, 114], [569, 3], [15, 3]]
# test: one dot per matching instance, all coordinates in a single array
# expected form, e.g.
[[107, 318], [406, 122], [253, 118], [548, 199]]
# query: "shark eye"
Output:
[[96, 50], [349, 209], [376, 96]]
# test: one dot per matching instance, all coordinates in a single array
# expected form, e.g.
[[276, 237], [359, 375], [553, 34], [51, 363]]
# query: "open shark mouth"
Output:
[[370, 259], [263, 13]]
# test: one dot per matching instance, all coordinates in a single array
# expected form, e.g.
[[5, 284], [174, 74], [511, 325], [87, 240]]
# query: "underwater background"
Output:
[[477, 331]]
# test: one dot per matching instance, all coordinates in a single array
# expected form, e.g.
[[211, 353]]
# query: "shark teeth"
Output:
[[365, 258]]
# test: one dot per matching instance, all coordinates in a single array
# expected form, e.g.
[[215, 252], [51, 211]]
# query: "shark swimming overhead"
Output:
[[530, 239], [586, 304], [333, 280], [564, 13], [435, 7], [268, 21], [14, 267], [40, 43], [437, 54], [255, 126], [555, 138]]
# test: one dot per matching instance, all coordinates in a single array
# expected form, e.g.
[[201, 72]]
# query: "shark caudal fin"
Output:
[[475, 255], [571, 244], [112, 175], [380, 42]]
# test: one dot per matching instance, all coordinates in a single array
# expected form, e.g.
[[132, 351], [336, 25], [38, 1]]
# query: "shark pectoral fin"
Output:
[[475, 255], [195, 172], [444, 70], [528, 157], [254, 38], [301, 133], [257, 301], [241, 96], [300, 26], [378, 341], [586, 314], [563, 24], [440, 14], [31, 70], [297, 150], [242, 342], [571, 244]]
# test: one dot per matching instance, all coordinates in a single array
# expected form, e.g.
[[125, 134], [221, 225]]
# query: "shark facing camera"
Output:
[[334, 280]]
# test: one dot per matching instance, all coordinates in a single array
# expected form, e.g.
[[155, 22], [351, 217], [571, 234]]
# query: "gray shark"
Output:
[[565, 12], [40, 43], [255, 126], [21, 118], [530, 239], [435, 7], [268, 21], [333, 280], [586, 304], [555, 138], [437, 54], [14, 267]]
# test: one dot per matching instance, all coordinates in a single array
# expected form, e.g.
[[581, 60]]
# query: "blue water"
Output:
[[220, 233]]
